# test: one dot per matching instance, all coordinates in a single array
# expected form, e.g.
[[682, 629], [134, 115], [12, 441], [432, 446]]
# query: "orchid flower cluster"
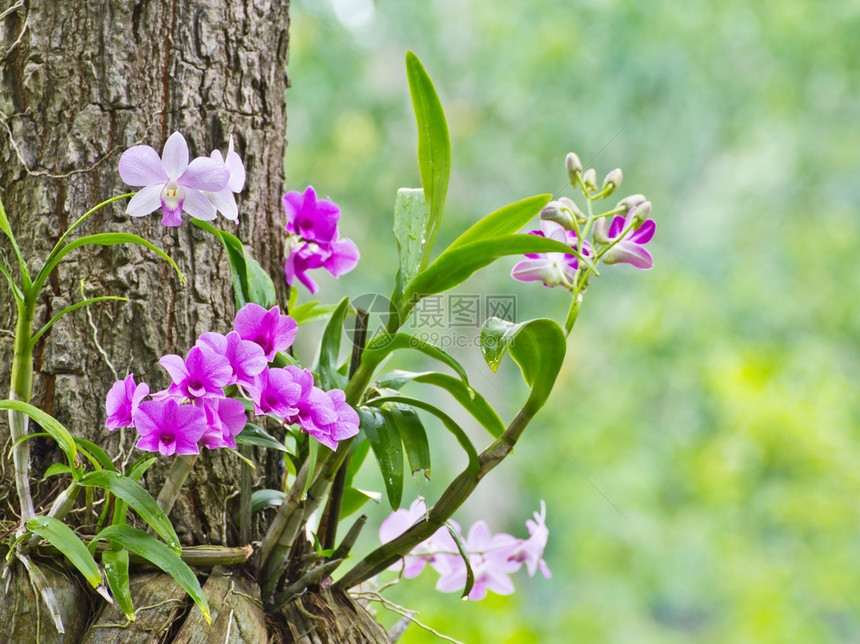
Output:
[[195, 410], [314, 240], [491, 557], [622, 241], [200, 188]]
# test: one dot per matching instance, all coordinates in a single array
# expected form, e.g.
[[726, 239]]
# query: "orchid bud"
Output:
[[612, 181], [600, 234], [580, 216], [640, 213], [630, 202], [590, 179], [574, 168], [554, 211]]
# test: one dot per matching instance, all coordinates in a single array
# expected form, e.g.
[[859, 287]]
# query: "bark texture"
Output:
[[82, 81]]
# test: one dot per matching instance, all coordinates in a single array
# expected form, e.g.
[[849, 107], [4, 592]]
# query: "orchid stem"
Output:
[[179, 471]]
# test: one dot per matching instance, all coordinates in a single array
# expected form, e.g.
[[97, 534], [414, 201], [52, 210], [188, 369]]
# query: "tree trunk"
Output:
[[81, 82]]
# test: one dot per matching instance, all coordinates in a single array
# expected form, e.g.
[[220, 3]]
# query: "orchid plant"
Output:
[[245, 389]]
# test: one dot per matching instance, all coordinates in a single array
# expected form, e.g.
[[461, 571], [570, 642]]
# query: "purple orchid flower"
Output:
[[246, 358], [203, 374], [225, 419], [326, 416], [401, 520], [277, 391], [271, 330], [489, 558], [223, 200], [628, 249], [122, 402], [313, 219], [171, 182], [530, 551], [169, 428], [552, 269], [340, 258]]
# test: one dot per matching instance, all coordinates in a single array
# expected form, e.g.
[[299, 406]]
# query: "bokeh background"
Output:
[[700, 457]]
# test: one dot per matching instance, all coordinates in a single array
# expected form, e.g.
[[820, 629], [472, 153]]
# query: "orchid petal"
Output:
[[147, 200], [141, 166], [174, 157], [198, 206], [205, 174]]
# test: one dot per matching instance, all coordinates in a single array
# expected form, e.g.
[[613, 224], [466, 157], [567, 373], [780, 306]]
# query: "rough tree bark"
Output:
[[79, 83]]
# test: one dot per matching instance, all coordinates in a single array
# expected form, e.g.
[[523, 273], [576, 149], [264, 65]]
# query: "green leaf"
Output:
[[456, 265], [138, 499], [261, 499], [116, 572], [101, 239], [158, 554], [140, 467], [360, 448], [311, 312], [470, 575], [51, 426], [61, 536], [387, 447], [410, 223], [330, 348], [354, 499], [57, 468], [261, 289], [434, 146], [69, 309], [447, 421], [94, 453], [469, 398], [16, 292], [7, 230], [247, 461], [380, 348], [257, 436], [502, 222], [413, 435], [537, 346], [250, 282], [313, 456]]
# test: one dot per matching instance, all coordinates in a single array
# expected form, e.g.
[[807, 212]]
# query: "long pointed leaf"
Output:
[[387, 447], [101, 239], [537, 346], [138, 499], [50, 425], [456, 265], [96, 453], [410, 229], [116, 572], [447, 421], [330, 348], [469, 398], [434, 146], [61, 536], [158, 554], [505, 221], [413, 435]]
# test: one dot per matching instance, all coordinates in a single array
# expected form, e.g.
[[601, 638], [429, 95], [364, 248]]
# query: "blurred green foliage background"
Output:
[[699, 457]]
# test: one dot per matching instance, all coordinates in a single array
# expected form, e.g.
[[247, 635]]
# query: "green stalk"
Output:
[[22, 389], [179, 471]]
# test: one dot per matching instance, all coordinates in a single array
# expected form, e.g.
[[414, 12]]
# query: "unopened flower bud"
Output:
[[554, 211], [574, 168], [640, 213], [590, 179], [612, 181], [580, 216], [630, 202], [600, 235]]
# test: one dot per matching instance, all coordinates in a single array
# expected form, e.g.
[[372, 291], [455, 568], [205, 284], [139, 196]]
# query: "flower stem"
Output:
[[22, 389], [179, 471]]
